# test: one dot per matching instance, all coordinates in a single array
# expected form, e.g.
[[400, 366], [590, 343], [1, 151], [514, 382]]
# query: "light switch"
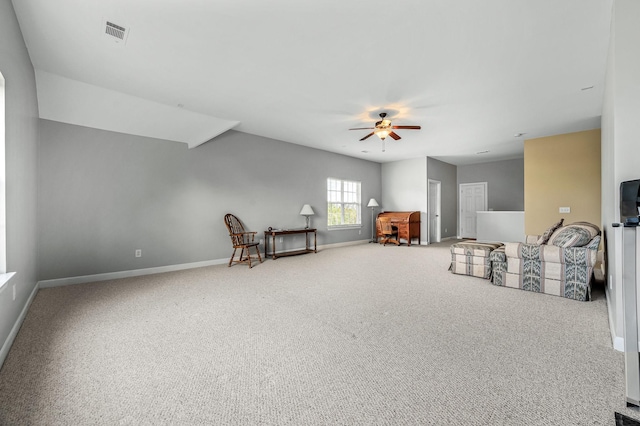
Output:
[[565, 209]]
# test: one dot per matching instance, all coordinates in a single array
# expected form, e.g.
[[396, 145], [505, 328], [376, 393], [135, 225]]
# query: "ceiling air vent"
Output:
[[115, 32]]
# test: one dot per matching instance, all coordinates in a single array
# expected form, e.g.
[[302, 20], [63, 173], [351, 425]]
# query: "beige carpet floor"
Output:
[[360, 335]]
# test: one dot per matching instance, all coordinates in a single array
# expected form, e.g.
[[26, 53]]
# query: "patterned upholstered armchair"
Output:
[[560, 262]]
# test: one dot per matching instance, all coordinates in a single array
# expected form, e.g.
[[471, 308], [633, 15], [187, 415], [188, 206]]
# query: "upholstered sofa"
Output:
[[559, 262]]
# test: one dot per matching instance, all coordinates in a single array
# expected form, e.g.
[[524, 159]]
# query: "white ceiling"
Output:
[[471, 73]]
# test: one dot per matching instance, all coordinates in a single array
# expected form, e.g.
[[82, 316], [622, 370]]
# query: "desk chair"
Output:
[[388, 231]]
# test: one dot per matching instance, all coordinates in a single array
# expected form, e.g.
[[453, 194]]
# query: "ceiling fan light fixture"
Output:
[[382, 133], [383, 128]]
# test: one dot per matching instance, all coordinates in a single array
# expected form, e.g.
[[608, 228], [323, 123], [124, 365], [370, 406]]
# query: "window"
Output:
[[343, 203]]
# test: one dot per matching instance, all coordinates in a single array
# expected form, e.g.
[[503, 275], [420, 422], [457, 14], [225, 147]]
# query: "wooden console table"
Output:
[[273, 233]]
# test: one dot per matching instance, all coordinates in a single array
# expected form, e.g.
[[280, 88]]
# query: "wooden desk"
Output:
[[273, 233], [408, 224]]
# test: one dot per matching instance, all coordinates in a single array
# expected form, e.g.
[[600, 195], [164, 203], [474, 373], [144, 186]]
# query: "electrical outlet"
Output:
[[14, 292], [281, 239], [564, 210], [360, 232], [138, 253], [445, 230], [261, 241]]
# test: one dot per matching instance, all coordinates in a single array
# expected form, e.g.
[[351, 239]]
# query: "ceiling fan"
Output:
[[383, 128]]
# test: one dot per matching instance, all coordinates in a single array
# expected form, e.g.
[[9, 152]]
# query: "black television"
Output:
[[630, 201]]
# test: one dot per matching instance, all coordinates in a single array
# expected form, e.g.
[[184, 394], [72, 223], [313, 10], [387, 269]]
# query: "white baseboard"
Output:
[[618, 344], [127, 274], [16, 327], [616, 341], [160, 269]]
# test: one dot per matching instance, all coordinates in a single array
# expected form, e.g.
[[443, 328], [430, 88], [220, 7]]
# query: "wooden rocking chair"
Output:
[[240, 239]]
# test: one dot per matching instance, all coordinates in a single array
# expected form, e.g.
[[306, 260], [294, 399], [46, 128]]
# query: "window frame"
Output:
[[358, 203]]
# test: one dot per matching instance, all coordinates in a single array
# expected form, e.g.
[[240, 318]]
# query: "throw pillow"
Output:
[[590, 228], [545, 237], [593, 229], [571, 236]]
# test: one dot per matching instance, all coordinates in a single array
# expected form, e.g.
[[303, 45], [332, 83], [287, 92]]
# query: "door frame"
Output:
[[438, 188], [460, 204]]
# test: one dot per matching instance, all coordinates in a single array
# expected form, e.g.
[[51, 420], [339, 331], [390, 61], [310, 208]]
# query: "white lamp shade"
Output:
[[307, 210], [373, 203]]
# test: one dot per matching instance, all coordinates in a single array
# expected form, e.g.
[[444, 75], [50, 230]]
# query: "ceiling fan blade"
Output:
[[370, 134], [406, 127], [363, 128], [394, 135]]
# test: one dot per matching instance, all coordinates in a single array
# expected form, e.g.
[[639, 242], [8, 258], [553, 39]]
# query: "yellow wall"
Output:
[[561, 171]]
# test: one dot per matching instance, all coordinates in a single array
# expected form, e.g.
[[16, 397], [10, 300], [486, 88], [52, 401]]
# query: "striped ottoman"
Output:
[[472, 258]]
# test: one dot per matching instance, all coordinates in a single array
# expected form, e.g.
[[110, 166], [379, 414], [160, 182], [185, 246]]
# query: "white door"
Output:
[[434, 211], [473, 198]]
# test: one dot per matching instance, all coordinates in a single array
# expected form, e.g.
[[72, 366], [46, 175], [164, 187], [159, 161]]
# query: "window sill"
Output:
[[344, 227], [4, 278]]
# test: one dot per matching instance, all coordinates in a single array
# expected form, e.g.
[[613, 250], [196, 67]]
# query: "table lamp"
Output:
[[307, 211], [373, 204]]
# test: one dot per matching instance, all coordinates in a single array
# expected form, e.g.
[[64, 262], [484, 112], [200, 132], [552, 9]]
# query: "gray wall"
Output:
[[404, 188], [446, 174], [21, 134], [505, 182], [104, 195]]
